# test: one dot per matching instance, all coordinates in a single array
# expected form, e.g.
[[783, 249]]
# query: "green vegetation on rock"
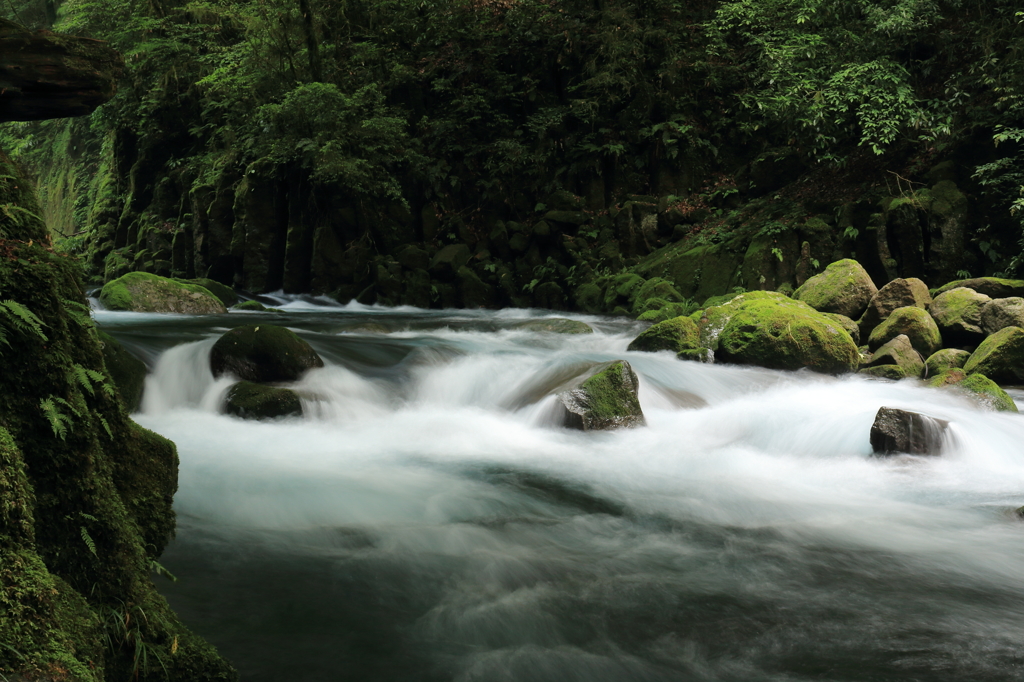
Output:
[[984, 390], [844, 288], [899, 352], [607, 400], [1000, 357], [946, 359], [126, 370], [144, 293], [677, 334], [555, 325], [957, 313], [912, 321]]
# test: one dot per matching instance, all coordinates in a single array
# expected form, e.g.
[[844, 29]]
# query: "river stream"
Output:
[[426, 520]]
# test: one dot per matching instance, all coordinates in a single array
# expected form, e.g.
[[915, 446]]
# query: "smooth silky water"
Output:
[[427, 520]]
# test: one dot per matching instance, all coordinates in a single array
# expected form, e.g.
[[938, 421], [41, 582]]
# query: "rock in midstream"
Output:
[[898, 431], [605, 401]]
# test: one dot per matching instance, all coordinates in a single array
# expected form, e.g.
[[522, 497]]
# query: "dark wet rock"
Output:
[[844, 288], [144, 293], [263, 353], [946, 359], [898, 431], [555, 325], [901, 353], [984, 390], [223, 292], [257, 401], [127, 371], [254, 306], [893, 372], [607, 400], [1001, 313], [957, 312], [1000, 357], [915, 323], [677, 334]]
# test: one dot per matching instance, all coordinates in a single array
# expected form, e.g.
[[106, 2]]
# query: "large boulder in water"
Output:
[[769, 329], [1000, 357], [607, 400], [978, 386], [957, 312], [677, 334], [915, 323], [263, 353], [142, 292], [1001, 313], [899, 293], [899, 431], [256, 401], [844, 288], [126, 370]]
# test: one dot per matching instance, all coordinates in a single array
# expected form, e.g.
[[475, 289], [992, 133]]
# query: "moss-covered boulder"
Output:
[[224, 293], [957, 312], [127, 371], [655, 289], [254, 306], [1000, 357], [1001, 313], [555, 325], [844, 288], [897, 352], [846, 323], [607, 400], [993, 287], [257, 401], [263, 353], [915, 323], [771, 330], [899, 293], [946, 359], [144, 293], [985, 391], [677, 334], [666, 312]]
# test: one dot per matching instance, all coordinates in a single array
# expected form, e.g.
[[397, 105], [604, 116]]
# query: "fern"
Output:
[[106, 426], [59, 421], [16, 316], [12, 212], [157, 568], [79, 312], [87, 539], [86, 378]]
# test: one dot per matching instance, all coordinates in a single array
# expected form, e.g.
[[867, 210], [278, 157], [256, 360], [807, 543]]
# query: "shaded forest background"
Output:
[[606, 156]]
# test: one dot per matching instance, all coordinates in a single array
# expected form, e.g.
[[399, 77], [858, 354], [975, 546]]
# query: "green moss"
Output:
[[912, 321], [607, 400], [224, 293], [555, 325], [946, 359], [770, 330], [667, 312], [254, 306], [1000, 357], [894, 372], [677, 334], [261, 353], [656, 289], [143, 292], [988, 392], [844, 288]]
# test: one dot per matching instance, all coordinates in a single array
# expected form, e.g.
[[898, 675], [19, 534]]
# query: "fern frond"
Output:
[[88, 541], [22, 318], [58, 421], [81, 376], [79, 312], [106, 426]]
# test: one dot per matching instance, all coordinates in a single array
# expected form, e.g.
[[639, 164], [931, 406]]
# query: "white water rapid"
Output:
[[425, 520]]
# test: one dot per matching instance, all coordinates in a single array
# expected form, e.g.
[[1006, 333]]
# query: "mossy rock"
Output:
[[254, 306], [656, 289], [1000, 357], [127, 371], [957, 312], [555, 325], [844, 288], [899, 293], [913, 322], [718, 300], [901, 352], [667, 312], [622, 289], [984, 390], [946, 359], [677, 334], [768, 329], [144, 293], [846, 323], [257, 401], [589, 298], [263, 353], [894, 372], [993, 287], [607, 400], [695, 355], [1001, 313], [224, 293]]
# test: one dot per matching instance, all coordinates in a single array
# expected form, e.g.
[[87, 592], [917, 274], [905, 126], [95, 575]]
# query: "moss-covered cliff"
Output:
[[85, 493]]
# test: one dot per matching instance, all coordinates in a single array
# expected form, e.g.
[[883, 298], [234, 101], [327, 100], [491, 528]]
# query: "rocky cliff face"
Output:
[[85, 493]]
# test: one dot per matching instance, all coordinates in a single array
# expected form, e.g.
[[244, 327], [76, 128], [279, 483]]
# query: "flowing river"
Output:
[[427, 521]]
